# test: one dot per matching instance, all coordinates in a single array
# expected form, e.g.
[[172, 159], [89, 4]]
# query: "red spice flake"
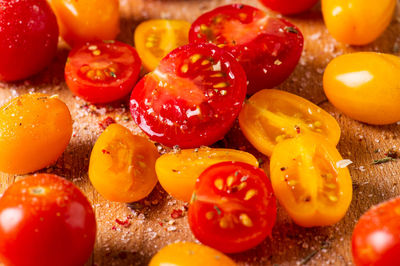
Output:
[[176, 213], [106, 122], [297, 129], [105, 151], [160, 223], [114, 228], [126, 223]]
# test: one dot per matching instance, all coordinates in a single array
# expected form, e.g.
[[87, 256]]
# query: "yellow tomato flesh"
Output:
[[178, 172], [121, 165], [271, 116], [357, 22], [154, 39], [309, 182], [365, 86], [190, 254]]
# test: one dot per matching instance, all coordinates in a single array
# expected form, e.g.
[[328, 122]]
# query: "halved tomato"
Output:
[[310, 181], [270, 116], [192, 98], [155, 38]]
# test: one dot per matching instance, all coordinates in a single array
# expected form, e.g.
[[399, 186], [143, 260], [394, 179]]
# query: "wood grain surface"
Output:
[[149, 225]]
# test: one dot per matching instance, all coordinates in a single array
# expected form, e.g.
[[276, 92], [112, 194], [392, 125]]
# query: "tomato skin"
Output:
[[190, 254], [155, 38], [271, 116], [178, 172], [102, 71], [233, 207], [121, 165], [289, 7], [308, 182], [376, 236], [192, 98], [267, 48], [365, 86], [85, 20], [49, 219], [28, 38], [357, 22]]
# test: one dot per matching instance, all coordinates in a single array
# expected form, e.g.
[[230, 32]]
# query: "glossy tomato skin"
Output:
[[102, 71], [28, 38], [289, 7], [192, 98], [233, 207], [376, 236], [45, 220], [267, 48], [357, 22]]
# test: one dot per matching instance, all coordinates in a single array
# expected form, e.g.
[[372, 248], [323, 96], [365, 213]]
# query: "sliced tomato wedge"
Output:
[[102, 71], [192, 98]]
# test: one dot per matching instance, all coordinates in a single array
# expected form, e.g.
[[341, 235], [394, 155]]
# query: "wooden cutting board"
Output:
[[149, 225]]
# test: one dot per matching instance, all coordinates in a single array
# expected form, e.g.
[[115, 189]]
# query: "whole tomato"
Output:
[[45, 220], [28, 38]]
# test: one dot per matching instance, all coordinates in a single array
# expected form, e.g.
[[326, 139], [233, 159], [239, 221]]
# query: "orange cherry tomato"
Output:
[[35, 129], [178, 171], [86, 20], [365, 86], [271, 116], [190, 254], [357, 22], [310, 180], [121, 166], [154, 39]]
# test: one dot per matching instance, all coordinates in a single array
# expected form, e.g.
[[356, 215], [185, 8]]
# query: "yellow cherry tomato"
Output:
[[87, 20], [365, 86], [270, 116], [121, 166], [190, 254], [154, 39], [311, 181], [357, 22], [35, 129], [178, 171]]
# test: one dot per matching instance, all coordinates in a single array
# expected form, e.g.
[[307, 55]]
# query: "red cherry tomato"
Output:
[[192, 98], [45, 220], [289, 7], [233, 207], [102, 71], [376, 236], [267, 48], [28, 38]]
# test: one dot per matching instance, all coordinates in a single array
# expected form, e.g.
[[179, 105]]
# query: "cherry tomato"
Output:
[[102, 71], [192, 98], [357, 22], [45, 220], [376, 236], [271, 116], [121, 165], [28, 38], [365, 86], [309, 180], [267, 48], [35, 129], [86, 20], [178, 171], [190, 254], [155, 38], [289, 7], [233, 207]]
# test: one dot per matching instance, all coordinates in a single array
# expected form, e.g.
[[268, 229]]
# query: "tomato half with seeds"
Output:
[[192, 98], [271, 116], [376, 236], [310, 181], [155, 38], [289, 7], [102, 71], [268, 48], [233, 207]]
